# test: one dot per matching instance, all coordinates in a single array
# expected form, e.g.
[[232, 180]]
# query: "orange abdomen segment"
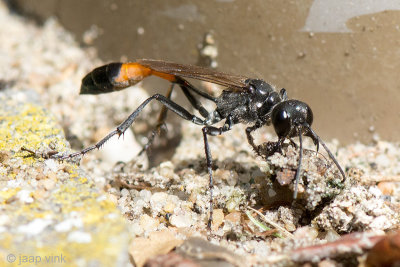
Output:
[[113, 77]]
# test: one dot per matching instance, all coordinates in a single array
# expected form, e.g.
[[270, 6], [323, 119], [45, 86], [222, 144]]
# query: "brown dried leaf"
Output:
[[386, 252], [205, 252], [170, 260], [158, 243]]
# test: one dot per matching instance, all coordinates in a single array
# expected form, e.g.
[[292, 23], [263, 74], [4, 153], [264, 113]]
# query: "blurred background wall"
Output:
[[341, 57]]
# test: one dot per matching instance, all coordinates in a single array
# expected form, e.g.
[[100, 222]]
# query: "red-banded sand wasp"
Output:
[[244, 100]]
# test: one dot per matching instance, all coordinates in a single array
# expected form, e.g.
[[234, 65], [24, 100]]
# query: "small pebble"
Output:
[[233, 217], [148, 223], [183, 220], [387, 188], [331, 236], [35, 227], [67, 224], [25, 196], [306, 232], [169, 207], [79, 237], [218, 218], [48, 184]]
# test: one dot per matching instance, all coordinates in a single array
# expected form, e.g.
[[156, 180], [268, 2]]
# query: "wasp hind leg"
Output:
[[161, 126], [187, 89], [168, 103]]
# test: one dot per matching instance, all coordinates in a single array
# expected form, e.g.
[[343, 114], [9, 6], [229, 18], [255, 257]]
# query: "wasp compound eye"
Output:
[[281, 120]]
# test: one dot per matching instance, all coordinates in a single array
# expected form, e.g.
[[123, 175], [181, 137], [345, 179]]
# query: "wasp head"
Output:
[[291, 116]]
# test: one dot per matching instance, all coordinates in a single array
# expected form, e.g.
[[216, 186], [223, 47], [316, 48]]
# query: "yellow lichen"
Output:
[[6, 195], [30, 126]]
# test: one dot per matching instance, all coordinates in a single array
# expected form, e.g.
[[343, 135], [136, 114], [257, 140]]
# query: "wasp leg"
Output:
[[161, 126], [297, 178], [213, 131], [293, 143], [186, 84], [317, 140], [265, 149], [186, 87], [250, 138], [182, 112]]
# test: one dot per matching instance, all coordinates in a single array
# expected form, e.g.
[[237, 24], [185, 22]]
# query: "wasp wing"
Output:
[[232, 82]]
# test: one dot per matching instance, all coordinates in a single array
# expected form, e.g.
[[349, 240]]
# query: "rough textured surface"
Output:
[[50, 208]]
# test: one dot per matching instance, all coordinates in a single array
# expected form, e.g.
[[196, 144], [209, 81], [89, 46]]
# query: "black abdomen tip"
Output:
[[100, 80]]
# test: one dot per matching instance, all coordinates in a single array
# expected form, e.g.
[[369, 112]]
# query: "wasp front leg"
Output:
[[265, 149]]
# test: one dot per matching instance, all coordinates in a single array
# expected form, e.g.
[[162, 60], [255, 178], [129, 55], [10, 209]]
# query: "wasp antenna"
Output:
[[328, 151], [317, 145], [299, 166]]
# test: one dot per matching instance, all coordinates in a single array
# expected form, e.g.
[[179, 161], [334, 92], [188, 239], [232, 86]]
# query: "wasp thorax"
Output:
[[267, 103]]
